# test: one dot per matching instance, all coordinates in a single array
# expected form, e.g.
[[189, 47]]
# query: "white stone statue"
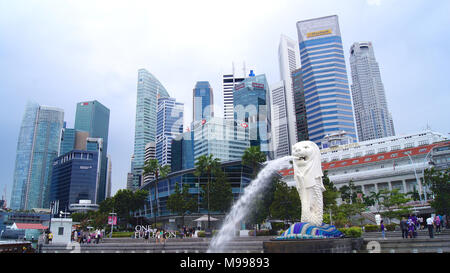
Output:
[[308, 177]]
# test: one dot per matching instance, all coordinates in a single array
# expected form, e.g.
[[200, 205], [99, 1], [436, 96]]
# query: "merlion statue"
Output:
[[308, 181], [308, 177]]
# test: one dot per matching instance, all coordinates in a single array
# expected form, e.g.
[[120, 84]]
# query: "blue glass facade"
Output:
[[183, 152], [38, 145], [93, 117], [239, 177], [252, 105], [203, 101], [68, 137], [74, 178], [148, 89], [324, 78]]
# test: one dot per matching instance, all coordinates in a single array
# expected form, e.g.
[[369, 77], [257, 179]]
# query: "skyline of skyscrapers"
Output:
[[373, 119], [327, 96], [312, 101], [37, 146]]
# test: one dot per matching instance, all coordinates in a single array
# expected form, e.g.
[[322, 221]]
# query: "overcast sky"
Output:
[[58, 53]]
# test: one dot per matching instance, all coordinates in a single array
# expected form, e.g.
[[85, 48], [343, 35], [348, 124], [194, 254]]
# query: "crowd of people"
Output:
[[161, 235], [410, 226], [87, 237]]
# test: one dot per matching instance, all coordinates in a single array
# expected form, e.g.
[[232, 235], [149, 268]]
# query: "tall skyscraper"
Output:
[[202, 101], [327, 96], [169, 124], [280, 127], [148, 90], [289, 60], [93, 117], [373, 119], [252, 106], [237, 75], [38, 145], [300, 108]]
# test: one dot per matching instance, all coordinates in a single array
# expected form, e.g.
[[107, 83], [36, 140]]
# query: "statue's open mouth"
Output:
[[301, 158]]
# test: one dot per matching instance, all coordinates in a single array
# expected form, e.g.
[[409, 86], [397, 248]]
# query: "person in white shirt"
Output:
[[430, 226]]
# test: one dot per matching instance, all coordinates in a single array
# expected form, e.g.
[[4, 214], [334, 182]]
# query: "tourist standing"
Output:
[[50, 237], [430, 226], [382, 229], [157, 234], [437, 223], [404, 228]]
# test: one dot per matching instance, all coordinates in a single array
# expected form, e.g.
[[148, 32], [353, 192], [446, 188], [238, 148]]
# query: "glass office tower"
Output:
[[74, 178], [300, 108], [252, 106], [169, 124], [373, 119], [327, 96], [38, 145], [93, 117], [148, 90], [202, 101]]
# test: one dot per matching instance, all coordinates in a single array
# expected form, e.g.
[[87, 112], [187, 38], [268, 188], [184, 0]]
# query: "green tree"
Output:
[[220, 192], [286, 204], [394, 203], [349, 194], [206, 165], [439, 184], [330, 194], [153, 167], [253, 157], [181, 202]]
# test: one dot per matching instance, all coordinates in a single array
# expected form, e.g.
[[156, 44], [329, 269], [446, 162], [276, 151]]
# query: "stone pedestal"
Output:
[[332, 245]]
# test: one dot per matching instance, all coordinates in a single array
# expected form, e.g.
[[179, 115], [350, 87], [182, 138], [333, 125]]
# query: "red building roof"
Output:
[[372, 158], [30, 226]]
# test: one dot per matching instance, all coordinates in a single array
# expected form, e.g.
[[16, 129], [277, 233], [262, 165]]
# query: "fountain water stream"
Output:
[[242, 207]]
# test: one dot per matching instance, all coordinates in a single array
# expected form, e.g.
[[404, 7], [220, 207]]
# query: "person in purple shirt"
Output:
[[382, 229]]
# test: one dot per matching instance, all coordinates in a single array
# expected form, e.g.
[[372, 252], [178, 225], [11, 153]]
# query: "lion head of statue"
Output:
[[307, 159]]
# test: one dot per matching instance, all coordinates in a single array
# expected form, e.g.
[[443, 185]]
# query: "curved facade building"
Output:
[[148, 90]]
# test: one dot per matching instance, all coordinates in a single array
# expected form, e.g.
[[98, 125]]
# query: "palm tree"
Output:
[[253, 157], [207, 165], [152, 167]]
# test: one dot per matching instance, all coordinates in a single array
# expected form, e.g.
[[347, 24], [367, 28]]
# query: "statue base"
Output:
[[305, 230]]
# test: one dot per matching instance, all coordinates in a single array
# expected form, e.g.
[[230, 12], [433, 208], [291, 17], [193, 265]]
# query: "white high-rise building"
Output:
[[373, 119], [280, 128], [238, 74], [289, 61]]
